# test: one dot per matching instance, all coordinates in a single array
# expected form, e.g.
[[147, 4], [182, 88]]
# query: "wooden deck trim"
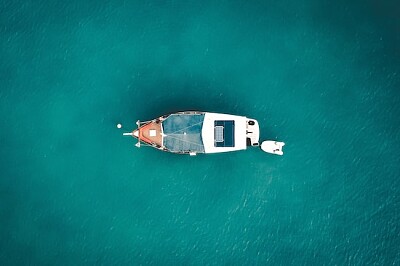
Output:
[[144, 133]]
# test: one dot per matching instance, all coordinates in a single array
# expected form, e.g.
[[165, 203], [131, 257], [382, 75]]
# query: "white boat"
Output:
[[193, 132], [274, 147]]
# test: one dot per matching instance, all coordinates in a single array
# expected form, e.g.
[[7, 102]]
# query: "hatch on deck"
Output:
[[224, 133]]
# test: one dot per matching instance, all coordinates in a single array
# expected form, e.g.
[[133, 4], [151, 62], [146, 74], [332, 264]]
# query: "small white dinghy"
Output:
[[274, 147]]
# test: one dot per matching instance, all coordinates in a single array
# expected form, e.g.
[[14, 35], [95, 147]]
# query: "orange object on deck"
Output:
[[141, 133]]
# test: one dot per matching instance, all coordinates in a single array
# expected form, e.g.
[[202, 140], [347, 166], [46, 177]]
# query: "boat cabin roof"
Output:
[[223, 132]]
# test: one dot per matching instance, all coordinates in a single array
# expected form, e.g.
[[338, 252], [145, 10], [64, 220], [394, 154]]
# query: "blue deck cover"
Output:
[[183, 133]]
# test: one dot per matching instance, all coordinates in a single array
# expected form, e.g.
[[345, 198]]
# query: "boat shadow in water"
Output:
[[166, 96]]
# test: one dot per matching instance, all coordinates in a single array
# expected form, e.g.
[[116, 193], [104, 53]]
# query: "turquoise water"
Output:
[[323, 76]]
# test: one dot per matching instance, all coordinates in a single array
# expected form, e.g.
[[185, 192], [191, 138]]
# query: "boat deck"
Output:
[[182, 133], [151, 133]]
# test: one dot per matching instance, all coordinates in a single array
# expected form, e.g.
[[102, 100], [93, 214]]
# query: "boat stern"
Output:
[[252, 132]]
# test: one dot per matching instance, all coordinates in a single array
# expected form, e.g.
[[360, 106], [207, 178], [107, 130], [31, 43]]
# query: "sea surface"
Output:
[[322, 76]]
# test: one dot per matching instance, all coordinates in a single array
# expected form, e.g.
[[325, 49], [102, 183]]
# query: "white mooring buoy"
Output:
[[119, 126]]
